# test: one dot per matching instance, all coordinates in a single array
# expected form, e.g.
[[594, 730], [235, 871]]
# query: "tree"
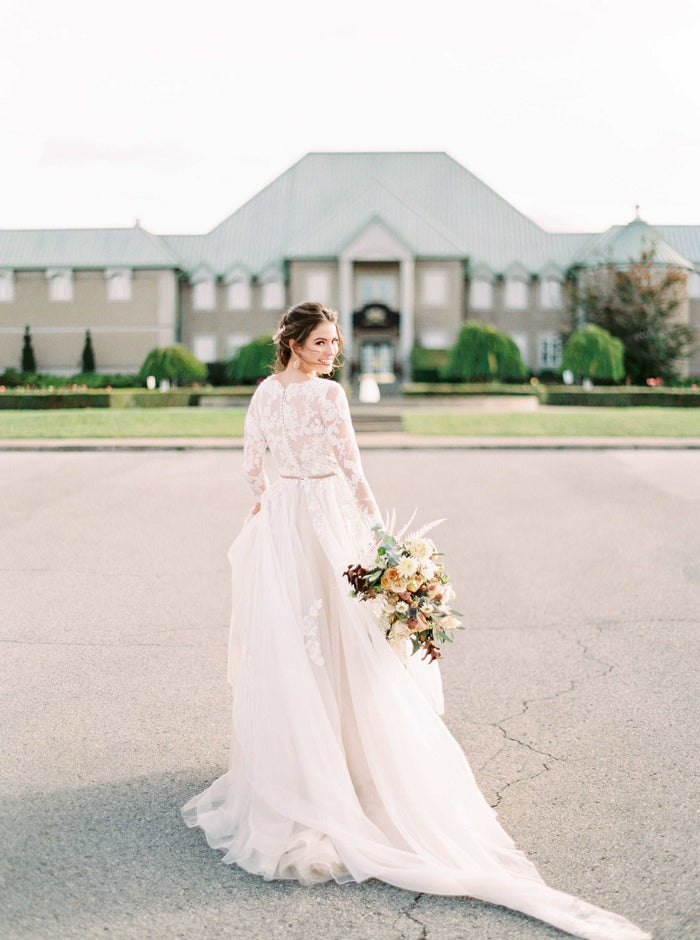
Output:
[[592, 353], [88, 354], [484, 354], [252, 361], [639, 304], [175, 363], [28, 359]]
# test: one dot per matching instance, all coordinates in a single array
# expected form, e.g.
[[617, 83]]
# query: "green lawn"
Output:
[[127, 422], [563, 422], [228, 422]]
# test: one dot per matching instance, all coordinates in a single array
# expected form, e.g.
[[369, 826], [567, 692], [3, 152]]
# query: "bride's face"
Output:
[[320, 348]]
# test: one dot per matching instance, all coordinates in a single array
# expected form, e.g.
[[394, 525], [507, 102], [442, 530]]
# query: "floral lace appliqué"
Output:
[[312, 644]]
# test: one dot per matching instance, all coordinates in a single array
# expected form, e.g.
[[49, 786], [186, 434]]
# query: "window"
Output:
[[204, 347], [204, 295], [520, 340], [118, 285], [318, 286], [550, 293], [693, 285], [234, 341], [7, 286], [377, 288], [516, 294], [434, 339], [550, 351], [238, 295], [481, 294], [434, 288], [273, 295], [60, 285]]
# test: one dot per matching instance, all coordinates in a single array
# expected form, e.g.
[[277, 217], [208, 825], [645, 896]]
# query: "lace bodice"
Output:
[[308, 428]]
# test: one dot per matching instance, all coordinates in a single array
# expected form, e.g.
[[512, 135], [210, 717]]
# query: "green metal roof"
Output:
[[83, 248], [623, 244], [432, 202]]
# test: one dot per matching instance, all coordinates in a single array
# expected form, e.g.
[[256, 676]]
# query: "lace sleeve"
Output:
[[254, 446], [341, 435]]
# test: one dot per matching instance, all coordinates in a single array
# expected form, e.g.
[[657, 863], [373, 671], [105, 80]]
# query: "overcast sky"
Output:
[[573, 111]]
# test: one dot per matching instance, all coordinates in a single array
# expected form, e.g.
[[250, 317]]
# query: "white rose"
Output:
[[421, 548], [407, 567]]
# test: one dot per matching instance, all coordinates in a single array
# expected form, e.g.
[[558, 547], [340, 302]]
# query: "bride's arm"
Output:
[[341, 434], [254, 446]]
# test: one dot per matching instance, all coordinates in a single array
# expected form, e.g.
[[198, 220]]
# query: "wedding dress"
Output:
[[340, 766]]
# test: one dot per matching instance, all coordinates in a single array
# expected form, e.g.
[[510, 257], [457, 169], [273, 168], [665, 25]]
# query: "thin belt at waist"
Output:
[[309, 476]]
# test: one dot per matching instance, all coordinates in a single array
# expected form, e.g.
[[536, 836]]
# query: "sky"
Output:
[[575, 112]]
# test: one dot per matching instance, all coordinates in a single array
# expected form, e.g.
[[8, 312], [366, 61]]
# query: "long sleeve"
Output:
[[341, 435], [254, 446]]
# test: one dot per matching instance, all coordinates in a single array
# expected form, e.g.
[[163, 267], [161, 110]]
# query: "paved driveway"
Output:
[[572, 691]]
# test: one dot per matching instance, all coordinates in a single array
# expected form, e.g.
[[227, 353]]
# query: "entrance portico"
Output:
[[377, 244]]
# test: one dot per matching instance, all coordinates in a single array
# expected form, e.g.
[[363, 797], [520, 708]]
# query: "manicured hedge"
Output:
[[118, 398], [466, 388], [624, 397]]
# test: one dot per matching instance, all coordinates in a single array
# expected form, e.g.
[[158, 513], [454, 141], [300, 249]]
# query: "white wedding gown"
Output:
[[340, 766]]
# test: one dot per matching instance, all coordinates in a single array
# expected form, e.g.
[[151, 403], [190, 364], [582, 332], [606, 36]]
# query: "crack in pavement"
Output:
[[507, 736], [408, 913]]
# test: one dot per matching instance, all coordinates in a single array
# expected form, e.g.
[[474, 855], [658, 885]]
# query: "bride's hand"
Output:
[[255, 509]]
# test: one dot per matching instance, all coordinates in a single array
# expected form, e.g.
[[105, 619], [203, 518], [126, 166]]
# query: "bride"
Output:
[[340, 766]]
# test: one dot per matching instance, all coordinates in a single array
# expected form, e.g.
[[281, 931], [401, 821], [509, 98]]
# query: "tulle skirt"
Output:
[[340, 765]]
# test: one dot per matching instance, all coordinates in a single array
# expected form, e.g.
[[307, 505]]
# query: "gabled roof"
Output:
[[326, 238], [623, 244], [684, 238], [434, 203], [83, 248]]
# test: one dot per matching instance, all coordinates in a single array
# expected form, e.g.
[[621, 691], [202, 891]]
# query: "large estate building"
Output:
[[406, 246]]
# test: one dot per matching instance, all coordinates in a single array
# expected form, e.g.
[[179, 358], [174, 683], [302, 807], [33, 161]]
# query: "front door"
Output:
[[377, 358]]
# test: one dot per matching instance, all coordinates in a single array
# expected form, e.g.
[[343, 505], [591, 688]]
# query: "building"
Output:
[[404, 245]]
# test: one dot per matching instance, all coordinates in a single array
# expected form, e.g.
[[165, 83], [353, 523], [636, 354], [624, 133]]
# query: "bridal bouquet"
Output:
[[412, 586]]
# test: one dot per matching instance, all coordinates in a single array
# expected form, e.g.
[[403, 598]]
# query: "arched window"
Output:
[[60, 285], [204, 293], [118, 285], [516, 293], [481, 294]]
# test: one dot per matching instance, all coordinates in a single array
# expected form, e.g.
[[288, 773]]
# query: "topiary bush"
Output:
[[252, 362], [428, 365], [175, 363], [592, 353], [28, 358], [484, 354], [88, 357]]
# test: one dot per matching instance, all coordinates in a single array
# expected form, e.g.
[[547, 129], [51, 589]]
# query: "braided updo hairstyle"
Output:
[[296, 324]]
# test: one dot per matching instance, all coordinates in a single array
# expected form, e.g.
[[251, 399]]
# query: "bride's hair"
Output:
[[295, 326]]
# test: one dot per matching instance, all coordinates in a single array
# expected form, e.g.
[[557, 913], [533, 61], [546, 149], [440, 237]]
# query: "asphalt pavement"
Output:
[[572, 691]]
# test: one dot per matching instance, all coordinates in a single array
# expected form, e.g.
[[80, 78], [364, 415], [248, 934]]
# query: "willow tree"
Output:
[[642, 305]]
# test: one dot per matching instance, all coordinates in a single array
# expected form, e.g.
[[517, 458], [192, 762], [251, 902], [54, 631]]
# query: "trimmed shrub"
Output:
[[252, 362], [592, 353], [88, 357], [216, 373], [28, 358], [175, 363], [621, 397], [428, 365], [484, 354]]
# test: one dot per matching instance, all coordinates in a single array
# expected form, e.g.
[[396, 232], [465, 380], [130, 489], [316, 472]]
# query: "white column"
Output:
[[345, 309], [407, 312]]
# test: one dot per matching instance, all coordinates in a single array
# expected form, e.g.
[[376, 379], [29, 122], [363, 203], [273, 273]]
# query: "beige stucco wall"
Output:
[[447, 317], [223, 323], [122, 332], [530, 323]]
